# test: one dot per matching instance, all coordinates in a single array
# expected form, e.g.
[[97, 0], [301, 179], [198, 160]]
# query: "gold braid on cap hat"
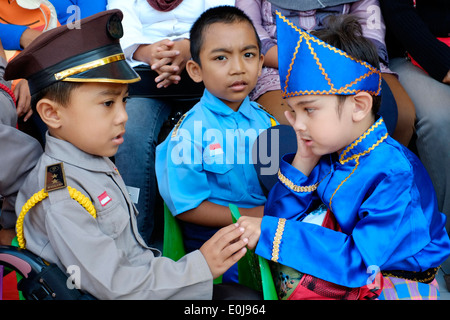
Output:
[[88, 66]]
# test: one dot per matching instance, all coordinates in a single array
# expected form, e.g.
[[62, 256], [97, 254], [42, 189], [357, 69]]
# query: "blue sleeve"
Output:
[[390, 228], [10, 36], [182, 183], [89, 7], [85, 8], [282, 201]]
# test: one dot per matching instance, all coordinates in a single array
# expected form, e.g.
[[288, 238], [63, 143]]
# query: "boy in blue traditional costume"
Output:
[[352, 205], [205, 164]]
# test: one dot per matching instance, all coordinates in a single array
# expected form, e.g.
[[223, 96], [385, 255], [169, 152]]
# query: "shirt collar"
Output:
[[368, 141], [66, 152], [218, 106]]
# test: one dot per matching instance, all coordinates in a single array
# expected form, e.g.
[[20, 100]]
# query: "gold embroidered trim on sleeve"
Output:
[[277, 239], [288, 183]]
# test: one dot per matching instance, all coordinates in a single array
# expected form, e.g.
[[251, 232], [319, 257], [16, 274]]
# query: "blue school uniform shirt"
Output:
[[207, 156], [383, 200]]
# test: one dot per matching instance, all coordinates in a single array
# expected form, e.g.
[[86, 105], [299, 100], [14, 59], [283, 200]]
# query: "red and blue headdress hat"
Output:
[[308, 65]]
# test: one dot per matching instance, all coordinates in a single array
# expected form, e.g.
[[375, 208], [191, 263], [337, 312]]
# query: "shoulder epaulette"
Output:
[[55, 177], [273, 122], [175, 129]]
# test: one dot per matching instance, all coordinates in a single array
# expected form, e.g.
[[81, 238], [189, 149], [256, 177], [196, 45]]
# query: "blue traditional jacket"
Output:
[[383, 200]]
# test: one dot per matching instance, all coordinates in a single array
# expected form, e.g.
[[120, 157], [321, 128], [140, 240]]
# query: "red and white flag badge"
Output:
[[215, 149], [104, 199]]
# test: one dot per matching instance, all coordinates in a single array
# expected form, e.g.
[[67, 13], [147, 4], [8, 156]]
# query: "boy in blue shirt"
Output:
[[205, 163]]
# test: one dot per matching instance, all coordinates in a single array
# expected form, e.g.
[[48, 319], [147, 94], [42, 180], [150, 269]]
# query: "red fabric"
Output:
[[330, 222], [312, 288], [324, 290], [10, 287], [164, 5], [8, 91]]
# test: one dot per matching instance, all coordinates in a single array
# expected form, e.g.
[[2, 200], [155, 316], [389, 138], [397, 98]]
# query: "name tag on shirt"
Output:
[[134, 194]]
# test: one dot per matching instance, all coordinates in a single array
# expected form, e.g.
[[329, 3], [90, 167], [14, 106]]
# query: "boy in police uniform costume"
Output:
[[74, 209]]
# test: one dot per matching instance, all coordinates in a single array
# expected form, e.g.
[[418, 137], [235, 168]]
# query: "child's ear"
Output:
[[49, 112], [194, 71], [261, 63], [362, 106]]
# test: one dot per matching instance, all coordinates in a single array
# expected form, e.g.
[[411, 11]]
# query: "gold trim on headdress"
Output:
[[291, 50]]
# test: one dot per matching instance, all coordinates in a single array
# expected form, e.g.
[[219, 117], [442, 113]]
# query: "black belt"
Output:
[[426, 276]]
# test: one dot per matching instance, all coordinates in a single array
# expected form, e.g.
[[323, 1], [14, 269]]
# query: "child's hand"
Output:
[[252, 230], [224, 249], [305, 159]]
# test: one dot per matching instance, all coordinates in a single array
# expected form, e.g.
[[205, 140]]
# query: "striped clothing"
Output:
[[402, 289]]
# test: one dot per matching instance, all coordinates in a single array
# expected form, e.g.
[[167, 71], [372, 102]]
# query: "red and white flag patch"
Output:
[[215, 149], [104, 199]]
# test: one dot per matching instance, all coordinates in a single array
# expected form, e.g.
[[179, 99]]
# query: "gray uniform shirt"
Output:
[[19, 153], [112, 258]]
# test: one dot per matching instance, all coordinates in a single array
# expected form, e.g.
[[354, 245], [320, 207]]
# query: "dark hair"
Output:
[[345, 32], [58, 91], [220, 14]]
